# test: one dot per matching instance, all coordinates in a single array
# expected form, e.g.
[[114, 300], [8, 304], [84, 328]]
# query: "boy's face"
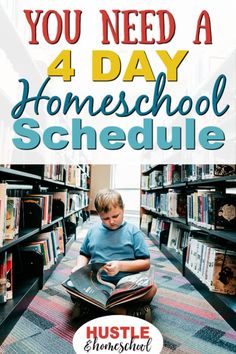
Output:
[[113, 218]]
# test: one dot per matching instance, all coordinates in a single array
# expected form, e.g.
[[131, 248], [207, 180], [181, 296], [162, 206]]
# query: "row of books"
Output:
[[204, 208], [182, 173], [158, 225], [85, 168], [146, 167], [77, 200], [20, 212], [212, 210], [5, 165], [159, 231], [35, 210], [55, 172], [211, 262], [201, 172], [73, 175], [148, 200], [178, 237], [66, 201], [153, 180], [49, 244], [172, 204], [145, 224], [214, 265], [153, 225], [6, 277], [173, 174]]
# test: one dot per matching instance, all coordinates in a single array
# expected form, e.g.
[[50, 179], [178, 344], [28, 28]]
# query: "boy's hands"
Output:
[[112, 268], [137, 265]]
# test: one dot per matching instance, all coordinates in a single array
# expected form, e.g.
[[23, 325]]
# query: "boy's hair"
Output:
[[106, 199]]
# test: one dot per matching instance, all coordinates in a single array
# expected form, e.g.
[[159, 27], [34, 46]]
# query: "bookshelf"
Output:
[[157, 201], [29, 272]]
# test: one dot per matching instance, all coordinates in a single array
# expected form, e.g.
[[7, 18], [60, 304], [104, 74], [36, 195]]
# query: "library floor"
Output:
[[186, 320]]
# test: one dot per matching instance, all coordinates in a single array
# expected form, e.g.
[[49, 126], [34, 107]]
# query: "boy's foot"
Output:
[[81, 310], [141, 311]]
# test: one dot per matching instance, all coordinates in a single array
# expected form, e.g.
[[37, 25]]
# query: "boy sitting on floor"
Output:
[[121, 246]]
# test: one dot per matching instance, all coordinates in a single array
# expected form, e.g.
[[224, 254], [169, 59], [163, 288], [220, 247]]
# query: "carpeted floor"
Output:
[[187, 322]]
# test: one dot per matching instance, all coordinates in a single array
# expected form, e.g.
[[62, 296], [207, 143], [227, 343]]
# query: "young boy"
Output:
[[121, 246]]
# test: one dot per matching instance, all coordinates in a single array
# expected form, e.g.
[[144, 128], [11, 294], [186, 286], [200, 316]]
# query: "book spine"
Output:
[[3, 277], [3, 208], [9, 276]]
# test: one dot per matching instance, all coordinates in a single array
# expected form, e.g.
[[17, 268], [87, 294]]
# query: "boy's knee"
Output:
[[152, 292], [154, 289]]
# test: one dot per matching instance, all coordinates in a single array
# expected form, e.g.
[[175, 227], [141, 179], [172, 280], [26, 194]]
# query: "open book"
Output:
[[86, 283]]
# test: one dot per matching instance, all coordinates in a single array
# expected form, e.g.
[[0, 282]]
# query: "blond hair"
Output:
[[106, 199]]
